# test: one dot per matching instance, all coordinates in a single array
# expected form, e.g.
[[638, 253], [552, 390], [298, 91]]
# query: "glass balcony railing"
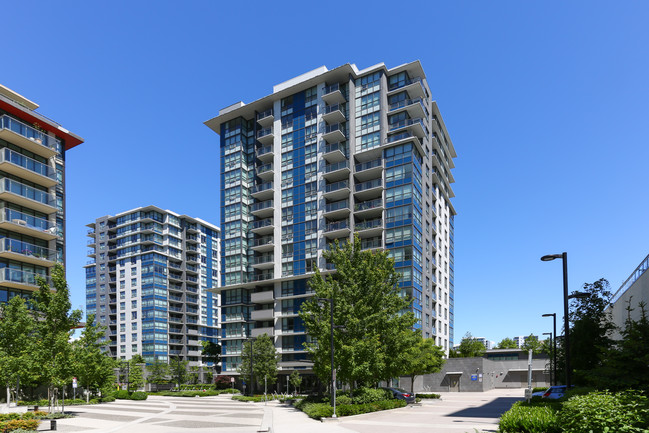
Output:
[[23, 219], [341, 146], [400, 136], [404, 83], [265, 114], [8, 275], [264, 168], [336, 186], [262, 187], [407, 122], [369, 185], [331, 108], [371, 243], [264, 150], [333, 128], [332, 88], [30, 133], [369, 224], [337, 166], [263, 205], [12, 186], [263, 223], [371, 204], [28, 163], [407, 102], [266, 240], [338, 225], [331, 207], [264, 132], [25, 249], [264, 258], [369, 164]]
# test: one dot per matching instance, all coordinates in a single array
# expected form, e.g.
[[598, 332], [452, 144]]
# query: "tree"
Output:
[[507, 343], [158, 372], [590, 331], [470, 347], [178, 369], [296, 380], [135, 373], [92, 367], [51, 350], [211, 354], [532, 342], [424, 357], [193, 375], [368, 304], [264, 362], [16, 327]]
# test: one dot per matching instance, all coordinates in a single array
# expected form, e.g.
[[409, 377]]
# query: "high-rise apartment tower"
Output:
[[32, 194], [148, 283], [327, 155]]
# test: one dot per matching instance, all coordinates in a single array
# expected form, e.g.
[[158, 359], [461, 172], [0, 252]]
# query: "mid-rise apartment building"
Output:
[[148, 283], [328, 155], [32, 194]]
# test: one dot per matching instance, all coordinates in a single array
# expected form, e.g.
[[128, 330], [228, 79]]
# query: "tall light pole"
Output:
[[251, 374], [333, 371], [554, 346], [566, 324]]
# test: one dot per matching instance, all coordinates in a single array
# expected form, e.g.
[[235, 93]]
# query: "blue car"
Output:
[[552, 393], [401, 394]]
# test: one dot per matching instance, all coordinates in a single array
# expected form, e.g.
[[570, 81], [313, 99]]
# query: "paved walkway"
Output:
[[454, 413]]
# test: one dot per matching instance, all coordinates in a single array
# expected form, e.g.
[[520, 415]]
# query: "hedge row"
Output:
[[201, 393], [17, 424], [125, 395], [324, 410], [428, 396], [626, 411]]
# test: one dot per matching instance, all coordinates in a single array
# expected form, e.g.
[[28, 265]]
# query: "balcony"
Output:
[[414, 126], [337, 229], [265, 153], [23, 135], [405, 137], [265, 118], [265, 171], [262, 191], [369, 170], [256, 332], [414, 107], [337, 171], [262, 209], [28, 253], [27, 168], [335, 152], [263, 227], [267, 243], [369, 228], [369, 189], [337, 209], [264, 261], [334, 113], [265, 136], [20, 222], [337, 190], [261, 315], [262, 297], [20, 279], [333, 94], [414, 87], [23, 195], [263, 276], [372, 243], [334, 133], [369, 208]]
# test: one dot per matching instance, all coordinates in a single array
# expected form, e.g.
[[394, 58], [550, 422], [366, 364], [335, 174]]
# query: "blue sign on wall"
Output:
[[474, 377]]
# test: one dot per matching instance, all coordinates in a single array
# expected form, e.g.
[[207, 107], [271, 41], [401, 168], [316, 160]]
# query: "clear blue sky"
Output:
[[547, 104]]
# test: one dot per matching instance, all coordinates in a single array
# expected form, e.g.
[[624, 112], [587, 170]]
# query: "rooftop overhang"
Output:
[[28, 116]]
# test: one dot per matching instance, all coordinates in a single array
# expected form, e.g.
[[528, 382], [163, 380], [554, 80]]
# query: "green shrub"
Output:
[[606, 412], [369, 395], [317, 410], [42, 402], [343, 399], [138, 395], [28, 415], [9, 416], [529, 419], [94, 401], [539, 388], [122, 394], [429, 396], [108, 399]]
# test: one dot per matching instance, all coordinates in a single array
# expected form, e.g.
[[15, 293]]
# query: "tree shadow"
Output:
[[493, 409]]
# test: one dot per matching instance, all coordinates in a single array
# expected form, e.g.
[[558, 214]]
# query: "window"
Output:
[[133, 293], [133, 326], [133, 282]]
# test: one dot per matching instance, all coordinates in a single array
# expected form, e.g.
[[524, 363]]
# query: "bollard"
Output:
[[53, 424]]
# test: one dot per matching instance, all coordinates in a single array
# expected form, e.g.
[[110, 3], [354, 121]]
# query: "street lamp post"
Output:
[[552, 373], [251, 373], [554, 345], [566, 324], [333, 371]]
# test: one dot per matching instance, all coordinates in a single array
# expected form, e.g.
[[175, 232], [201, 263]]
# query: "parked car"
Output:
[[401, 394], [553, 392]]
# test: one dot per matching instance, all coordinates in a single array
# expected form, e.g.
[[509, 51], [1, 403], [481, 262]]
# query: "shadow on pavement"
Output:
[[493, 409]]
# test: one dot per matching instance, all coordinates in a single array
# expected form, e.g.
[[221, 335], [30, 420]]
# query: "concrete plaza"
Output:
[[455, 412]]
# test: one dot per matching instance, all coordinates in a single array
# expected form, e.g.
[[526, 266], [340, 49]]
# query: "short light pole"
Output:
[[252, 382], [554, 345], [552, 373]]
